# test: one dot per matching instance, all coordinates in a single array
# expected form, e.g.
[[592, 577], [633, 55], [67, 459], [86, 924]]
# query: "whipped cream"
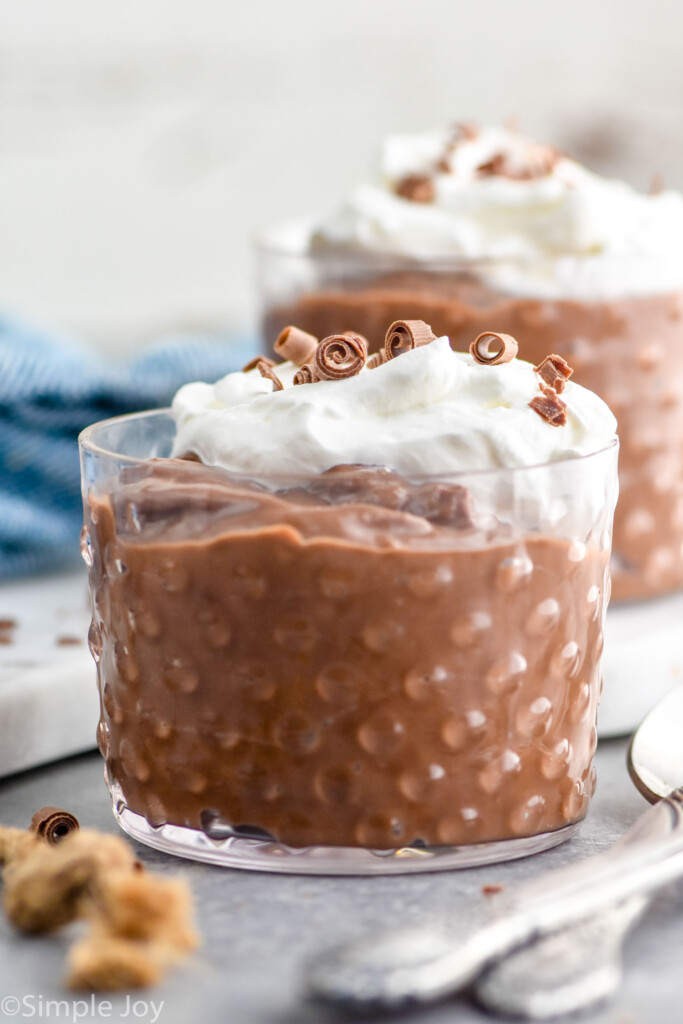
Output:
[[430, 411], [565, 233]]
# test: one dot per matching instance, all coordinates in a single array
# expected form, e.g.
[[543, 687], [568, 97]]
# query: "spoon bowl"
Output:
[[655, 755]]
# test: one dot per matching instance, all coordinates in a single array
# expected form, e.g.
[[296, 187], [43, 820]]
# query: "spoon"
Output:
[[582, 965], [655, 755], [546, 925]]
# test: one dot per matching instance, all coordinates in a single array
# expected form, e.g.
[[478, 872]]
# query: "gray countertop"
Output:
[[259, 929]]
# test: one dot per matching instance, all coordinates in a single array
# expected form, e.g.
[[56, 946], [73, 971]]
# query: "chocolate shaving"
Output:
[[555, 371], [404, 335], [656, 185], [306, 374], [377, 359], [463, 131], [358, 337], [53, 824], [418, 188], [538, 161], [6, 624], [504, 348], [296, 345], [550, 407], [340, 356], [253, 363], [265, 368], [492, 890]]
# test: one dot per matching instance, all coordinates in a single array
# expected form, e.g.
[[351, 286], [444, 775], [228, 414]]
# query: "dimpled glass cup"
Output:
[[629, 350], [354, 674]]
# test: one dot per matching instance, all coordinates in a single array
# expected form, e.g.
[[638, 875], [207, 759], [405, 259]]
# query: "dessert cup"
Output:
[[355, 673], [627, 349]]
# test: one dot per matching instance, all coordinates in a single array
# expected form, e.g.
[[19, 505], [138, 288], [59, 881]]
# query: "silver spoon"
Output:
[[582, 964], [603, 896]]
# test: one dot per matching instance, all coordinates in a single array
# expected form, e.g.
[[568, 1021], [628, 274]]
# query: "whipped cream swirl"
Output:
[[563, 232], [431, 411]]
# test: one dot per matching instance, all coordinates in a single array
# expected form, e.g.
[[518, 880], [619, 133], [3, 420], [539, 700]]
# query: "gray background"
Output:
[[142, 144]]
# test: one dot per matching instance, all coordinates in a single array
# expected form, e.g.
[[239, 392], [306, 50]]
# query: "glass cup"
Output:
[[629, 350], [360, 673]]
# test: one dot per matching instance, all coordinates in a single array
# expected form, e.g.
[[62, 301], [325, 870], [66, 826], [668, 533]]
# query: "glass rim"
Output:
[[87, 443]]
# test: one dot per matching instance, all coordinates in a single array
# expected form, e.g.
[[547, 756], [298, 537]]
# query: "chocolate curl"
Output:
[[53, 824], [265, 368], [504, 350], [377, 359], [340, 356], [536, 162], [404, 335], [306, 374], [296, 345], [253, 363], [550, 407], [418, 188], [555, 371], [463, 131]]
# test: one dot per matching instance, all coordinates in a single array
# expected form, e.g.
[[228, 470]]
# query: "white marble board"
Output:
[[48, 695]]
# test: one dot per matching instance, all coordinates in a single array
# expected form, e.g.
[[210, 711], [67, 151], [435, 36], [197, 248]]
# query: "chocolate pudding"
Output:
[[341, 674], [476, 229], [630, 352], [311, 628]]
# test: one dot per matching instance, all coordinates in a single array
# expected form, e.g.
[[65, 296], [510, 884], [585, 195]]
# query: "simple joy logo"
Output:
[[38, 1007]]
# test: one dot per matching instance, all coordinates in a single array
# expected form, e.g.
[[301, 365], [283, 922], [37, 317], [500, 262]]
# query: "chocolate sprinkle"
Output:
[[404, 335], [340, 356], [296, 345], [418, 188], [555, 371], [265, 368], [550, 407], [504, 349], [53, 824]]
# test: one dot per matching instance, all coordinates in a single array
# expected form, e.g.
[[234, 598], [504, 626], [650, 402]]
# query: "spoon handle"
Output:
[[421, 965]]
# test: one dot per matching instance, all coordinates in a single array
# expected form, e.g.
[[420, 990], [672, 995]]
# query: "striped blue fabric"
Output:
[[50, 389]]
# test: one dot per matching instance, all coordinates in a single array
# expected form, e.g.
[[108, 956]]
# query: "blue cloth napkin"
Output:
[[50, 389]]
